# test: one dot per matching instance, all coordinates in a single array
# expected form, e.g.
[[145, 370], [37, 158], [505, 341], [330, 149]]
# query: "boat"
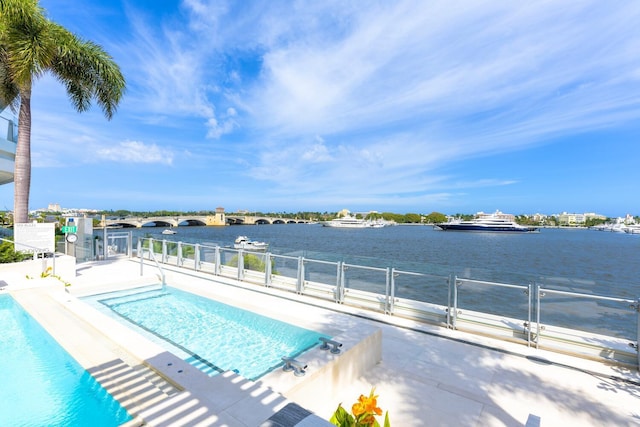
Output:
[[495, 222], [243, 242], [169, 231], [349, 221], [632, 229]]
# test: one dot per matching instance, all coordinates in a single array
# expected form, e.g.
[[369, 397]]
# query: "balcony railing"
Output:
[[8, 129], [538, 314]]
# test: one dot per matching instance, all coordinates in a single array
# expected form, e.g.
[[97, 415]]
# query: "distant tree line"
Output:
[[408, 218]]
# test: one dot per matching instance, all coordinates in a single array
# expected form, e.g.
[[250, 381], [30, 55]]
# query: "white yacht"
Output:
[[348, 221], [496, 222], [243, 242]]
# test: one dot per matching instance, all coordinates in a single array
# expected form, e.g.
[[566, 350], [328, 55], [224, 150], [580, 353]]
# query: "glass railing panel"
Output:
[[229, 257], [428, 288], [498, 299], [588, 313], [324, 272], [171, 253], [256, 261], [285, 266], [363, 278], [188, 251]]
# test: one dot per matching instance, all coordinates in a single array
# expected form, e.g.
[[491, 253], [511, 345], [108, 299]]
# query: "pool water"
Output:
[[216, 337], [42, 385]]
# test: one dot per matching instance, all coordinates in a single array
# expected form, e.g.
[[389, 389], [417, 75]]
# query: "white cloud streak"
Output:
[[135, 152]]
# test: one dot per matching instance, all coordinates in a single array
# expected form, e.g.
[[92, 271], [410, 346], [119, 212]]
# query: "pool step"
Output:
[[136, 388]]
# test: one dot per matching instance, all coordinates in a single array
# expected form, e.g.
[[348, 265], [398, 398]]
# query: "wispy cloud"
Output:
[[135, 152]]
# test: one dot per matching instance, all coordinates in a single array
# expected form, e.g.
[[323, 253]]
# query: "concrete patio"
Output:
[[428, 375]]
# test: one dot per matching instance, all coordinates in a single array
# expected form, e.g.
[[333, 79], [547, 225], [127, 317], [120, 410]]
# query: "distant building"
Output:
[[54, 207], [571, 219]]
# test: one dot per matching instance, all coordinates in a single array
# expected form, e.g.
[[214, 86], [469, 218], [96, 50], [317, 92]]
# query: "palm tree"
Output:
[[32, 45]]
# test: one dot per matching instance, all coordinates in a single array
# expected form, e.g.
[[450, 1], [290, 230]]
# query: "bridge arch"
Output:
[[123, 224], [159, 223], [191, 222]]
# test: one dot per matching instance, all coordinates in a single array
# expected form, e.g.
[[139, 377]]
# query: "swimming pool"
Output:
[[212, 336], [41, 383]]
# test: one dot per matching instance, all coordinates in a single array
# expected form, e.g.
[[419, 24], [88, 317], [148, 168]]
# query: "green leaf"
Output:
[[342, 418]]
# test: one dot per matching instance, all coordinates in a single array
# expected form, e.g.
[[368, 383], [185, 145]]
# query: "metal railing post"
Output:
[[637, 308], [105, 244], [338, 281], [455, 302], [529, 315], [151, 247], [130, 245], [140, 255], [538, 310], [217, 261], [165, 256], [267, 269], [196, 257], [450, 280], [387, 289], [342, 283], [300, 277], [179, 261], [240, 265]]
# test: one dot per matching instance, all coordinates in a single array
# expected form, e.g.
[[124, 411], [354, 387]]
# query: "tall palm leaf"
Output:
[[30, 46]]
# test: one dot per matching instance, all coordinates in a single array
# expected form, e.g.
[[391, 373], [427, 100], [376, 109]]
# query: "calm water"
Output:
[[602, 262], [41, 384], [215, 336]]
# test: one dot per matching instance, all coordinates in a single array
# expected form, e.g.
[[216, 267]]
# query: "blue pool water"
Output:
[[42, 385], [215, 337]]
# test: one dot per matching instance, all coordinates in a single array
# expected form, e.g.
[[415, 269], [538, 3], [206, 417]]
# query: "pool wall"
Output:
[[328, 373]]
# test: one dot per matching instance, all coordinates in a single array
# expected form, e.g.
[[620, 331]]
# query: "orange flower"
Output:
[[364, 413], [359, 407], [371, 404]]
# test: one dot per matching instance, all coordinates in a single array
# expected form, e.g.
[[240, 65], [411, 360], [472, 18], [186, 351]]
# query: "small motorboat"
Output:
[[243, 242], [169, 231]]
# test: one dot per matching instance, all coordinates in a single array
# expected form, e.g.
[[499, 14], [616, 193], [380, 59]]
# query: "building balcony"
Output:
[[8, 140]]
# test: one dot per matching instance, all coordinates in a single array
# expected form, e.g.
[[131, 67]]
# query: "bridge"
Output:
[[191, 220]]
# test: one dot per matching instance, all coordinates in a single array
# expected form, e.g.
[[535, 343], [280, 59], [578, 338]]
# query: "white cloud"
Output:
[[136, 152]]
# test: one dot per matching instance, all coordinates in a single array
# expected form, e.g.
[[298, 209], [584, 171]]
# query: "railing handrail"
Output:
[[581, 295], [485, 282]]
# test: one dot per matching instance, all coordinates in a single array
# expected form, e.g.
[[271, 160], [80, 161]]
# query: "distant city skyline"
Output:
[[55, 207], [404, 106]]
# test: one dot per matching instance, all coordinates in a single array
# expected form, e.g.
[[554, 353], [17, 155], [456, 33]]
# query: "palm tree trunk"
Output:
[[22, 168]]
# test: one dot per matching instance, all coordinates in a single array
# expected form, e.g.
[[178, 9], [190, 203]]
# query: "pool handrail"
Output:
[[152, 256]]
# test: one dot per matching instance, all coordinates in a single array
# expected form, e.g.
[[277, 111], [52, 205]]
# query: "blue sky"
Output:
[[404, 106]]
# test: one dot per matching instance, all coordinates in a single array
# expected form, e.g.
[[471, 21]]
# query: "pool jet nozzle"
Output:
[[326, 342], [291, 364]]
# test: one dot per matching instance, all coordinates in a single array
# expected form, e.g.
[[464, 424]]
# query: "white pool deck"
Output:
[[428, 375]]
